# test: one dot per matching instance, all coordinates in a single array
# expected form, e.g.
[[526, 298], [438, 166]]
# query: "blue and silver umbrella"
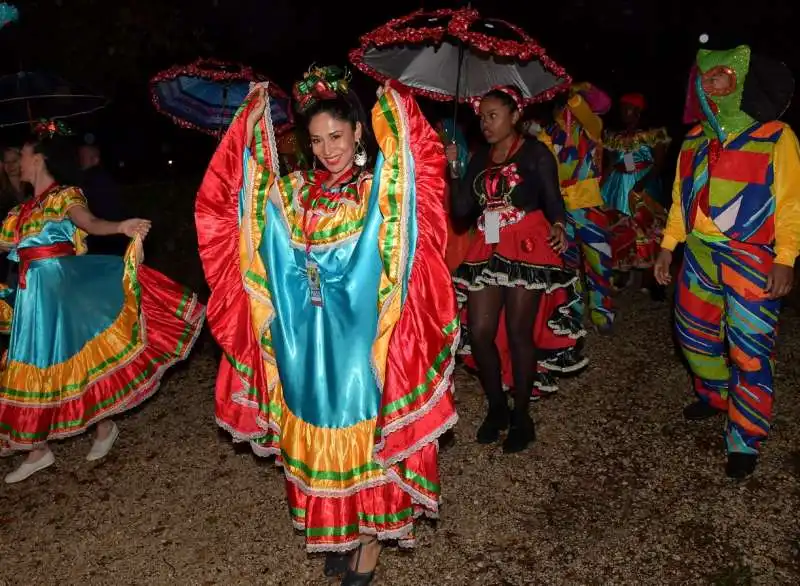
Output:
[[206, 94]]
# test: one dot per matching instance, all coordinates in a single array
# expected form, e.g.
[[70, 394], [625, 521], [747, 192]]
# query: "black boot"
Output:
[[521, 434], [700, 410], [740, 466], [497, 420], [658, 293]]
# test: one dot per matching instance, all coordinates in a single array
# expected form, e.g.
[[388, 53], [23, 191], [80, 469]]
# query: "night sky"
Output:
[[116, 46]]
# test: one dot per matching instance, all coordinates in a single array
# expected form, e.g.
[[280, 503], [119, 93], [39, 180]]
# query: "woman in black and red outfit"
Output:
[[513, 266]]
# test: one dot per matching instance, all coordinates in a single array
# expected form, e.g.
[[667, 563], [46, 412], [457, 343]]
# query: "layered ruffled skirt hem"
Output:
[[378, 475], [523, 258], [635, 240], [115, 371]]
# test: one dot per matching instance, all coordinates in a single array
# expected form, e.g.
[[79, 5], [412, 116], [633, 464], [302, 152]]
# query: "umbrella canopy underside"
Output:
[[205, 95], [434, 69], [27, 96]]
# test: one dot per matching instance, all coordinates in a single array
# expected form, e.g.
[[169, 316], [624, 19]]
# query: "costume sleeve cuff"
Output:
[[669, 242], [785, 257], [575, 101]]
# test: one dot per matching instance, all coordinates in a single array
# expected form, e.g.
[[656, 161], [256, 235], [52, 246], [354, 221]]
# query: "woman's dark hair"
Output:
[[504, 98], [60, 157], [346, 108]]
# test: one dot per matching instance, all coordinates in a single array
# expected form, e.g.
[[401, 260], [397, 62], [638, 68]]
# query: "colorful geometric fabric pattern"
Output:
[[720, 303], [589, 252], [735, 191]]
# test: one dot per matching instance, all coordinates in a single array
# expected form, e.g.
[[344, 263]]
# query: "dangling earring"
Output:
[[314, 164], [360, 158]]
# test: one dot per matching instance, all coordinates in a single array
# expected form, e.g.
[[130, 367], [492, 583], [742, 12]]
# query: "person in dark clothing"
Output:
[[511, 192], [103, 197]]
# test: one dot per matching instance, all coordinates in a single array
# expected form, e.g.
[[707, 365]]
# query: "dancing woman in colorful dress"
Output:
[[632, 192], [511, 191], [333, 305], [90, 335]]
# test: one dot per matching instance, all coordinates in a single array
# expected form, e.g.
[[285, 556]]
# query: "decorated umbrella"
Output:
[[8, 14], [27, 96], [206, 94], [447, 54]]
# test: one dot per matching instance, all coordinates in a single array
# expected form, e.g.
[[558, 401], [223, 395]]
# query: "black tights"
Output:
[[483, 314]]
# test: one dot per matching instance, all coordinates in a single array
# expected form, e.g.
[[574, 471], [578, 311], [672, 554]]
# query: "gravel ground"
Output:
[[617, 490]]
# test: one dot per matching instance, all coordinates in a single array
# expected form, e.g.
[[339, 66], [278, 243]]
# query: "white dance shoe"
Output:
[[28, 469], [101, 448]]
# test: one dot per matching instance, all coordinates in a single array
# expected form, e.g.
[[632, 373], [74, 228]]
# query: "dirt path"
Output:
[[617, 490]]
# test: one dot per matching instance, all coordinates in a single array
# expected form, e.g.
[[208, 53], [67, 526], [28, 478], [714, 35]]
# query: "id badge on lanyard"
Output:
[[314, 282], [491, 226], [630, 165], [312, 268]]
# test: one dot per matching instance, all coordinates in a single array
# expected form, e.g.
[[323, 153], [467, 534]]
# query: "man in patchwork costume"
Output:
[[736, 206], [575, 139]]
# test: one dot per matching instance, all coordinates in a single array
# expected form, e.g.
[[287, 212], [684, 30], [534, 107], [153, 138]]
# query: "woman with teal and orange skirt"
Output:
[[336, 313], [632, 192], [90, 335]]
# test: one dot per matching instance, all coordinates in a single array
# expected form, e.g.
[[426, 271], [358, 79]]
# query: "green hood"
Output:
[[728, 109]]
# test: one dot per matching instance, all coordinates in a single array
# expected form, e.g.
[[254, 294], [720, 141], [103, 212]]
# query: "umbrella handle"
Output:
[[224, 103], [458, 87]]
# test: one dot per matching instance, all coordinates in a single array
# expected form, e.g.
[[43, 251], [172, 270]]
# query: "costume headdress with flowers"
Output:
[[638, 101], [510, 91], [50, 128], [320, 83]]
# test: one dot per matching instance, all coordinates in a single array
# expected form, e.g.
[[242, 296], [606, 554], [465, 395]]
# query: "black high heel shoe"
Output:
[[355, 578], [335, 564]]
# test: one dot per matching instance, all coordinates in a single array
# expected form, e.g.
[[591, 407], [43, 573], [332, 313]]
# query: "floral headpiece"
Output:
[[51, 128], [506, 89], [635, 100], [320, 83], [595, 98]]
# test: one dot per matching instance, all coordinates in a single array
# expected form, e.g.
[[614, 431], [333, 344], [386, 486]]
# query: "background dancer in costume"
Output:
[[632, 193], [574, 137], [511, 189], [336, 314], [736, 205], [91, 336]]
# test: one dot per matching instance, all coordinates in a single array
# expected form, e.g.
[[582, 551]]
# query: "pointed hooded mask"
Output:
[[762, 91]]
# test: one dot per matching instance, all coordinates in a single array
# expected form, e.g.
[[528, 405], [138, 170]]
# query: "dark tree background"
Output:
[[116, 46]]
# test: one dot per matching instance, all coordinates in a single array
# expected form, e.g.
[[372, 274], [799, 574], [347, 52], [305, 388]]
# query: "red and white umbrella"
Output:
[[448, 54]]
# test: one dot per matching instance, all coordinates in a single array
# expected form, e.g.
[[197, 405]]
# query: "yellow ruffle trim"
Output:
[[109, 350]]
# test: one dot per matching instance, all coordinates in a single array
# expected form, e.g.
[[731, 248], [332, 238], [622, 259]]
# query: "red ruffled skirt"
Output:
[[108, 372], [524, 258], [635, 240]]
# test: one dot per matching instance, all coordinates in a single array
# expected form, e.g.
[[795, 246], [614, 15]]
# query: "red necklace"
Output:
[[511, 152]]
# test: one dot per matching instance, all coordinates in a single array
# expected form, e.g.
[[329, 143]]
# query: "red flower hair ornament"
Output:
[[320, 83], [50, 128], [506, 89]]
